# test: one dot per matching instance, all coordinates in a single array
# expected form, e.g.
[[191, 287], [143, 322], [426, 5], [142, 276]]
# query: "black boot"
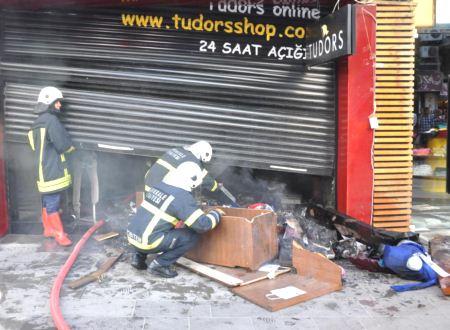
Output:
[[164, 271], [138, 260]]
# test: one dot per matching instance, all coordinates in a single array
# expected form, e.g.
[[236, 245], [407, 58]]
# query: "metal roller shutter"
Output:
[[140, 90]]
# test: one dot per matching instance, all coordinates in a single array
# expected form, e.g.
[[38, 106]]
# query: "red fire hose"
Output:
[[57, 316]]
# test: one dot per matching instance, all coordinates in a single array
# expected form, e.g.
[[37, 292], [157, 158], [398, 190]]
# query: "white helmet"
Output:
[[414, 263], [186, 176], [48, 95], [202, 150]]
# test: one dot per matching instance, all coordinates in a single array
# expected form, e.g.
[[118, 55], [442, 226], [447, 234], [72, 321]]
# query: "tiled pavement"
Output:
[[431, 212], [129, 299]]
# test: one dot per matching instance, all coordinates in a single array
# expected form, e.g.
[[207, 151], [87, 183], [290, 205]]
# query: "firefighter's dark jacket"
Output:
[[170, 161], [162, 208], [50, 141]]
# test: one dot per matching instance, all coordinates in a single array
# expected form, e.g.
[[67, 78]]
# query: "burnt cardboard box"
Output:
[[245, 238]]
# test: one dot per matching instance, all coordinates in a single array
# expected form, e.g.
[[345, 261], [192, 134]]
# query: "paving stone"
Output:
[[95, 323], [281, 323], [238, 308], [410, 322], [151, 308], [104, 307], [340, 323], [161, 323], [41, 323], [221, 323]]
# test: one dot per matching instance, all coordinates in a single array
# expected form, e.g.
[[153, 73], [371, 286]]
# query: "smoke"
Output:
[[253, 186]]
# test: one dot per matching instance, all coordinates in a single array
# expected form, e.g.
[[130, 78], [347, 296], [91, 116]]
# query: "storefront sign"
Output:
[[331, 37], [272, 29]]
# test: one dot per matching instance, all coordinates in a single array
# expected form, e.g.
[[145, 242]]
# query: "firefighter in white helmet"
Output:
[[198, 153], [152, 229], [50, 142]]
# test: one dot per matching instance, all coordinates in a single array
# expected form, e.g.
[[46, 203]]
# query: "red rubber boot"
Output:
[[58, 230], [48, 229]]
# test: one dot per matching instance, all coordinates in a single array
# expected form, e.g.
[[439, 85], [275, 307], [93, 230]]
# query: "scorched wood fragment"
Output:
[[440, 253], [245, 238]]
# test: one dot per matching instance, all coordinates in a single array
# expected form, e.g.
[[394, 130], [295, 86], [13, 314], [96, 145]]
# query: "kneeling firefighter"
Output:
[[50, 142], [152, 229], [199, 153]]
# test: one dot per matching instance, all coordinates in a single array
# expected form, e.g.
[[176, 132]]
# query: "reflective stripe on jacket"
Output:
[[159, 213], [49, 140]]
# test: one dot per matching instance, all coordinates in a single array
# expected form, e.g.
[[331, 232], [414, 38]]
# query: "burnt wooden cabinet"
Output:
[[245, 238]]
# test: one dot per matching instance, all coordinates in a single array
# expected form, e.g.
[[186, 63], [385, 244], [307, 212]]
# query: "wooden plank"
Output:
[[392, 8], [395, 102], [379, 152], [406, 136], [408, 46], [393, 20], [394, 169], [395, 78], [390, 27], [390, 188], [393, 90], [393, 40], [395, 108], [392, 218], [392, 140], [394, 72], [393, 97], [388, 3], [396, 59], [381, 34], [395, 52], [392, 200], [389, 224], [392, 146], [403, 193], [394, 65], [391, 212], [106, 236], [396, 128], [391, 121], [392, 182], [209, 272], [96, 275], [392, 176], [282, 270], [396, 83], [382, 115], [392, 206], [388, 14], [392, 164], [440, 252]]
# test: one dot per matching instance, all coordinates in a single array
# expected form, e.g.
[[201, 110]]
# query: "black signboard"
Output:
[[330, 37]]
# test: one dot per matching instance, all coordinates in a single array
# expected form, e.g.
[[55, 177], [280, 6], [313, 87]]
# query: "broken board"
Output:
[[228, 276], [440, 253], [244, 238], [316, 276], [106, 236]]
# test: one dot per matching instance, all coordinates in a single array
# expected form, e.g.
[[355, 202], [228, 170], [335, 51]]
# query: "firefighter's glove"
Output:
[[220, 211]]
